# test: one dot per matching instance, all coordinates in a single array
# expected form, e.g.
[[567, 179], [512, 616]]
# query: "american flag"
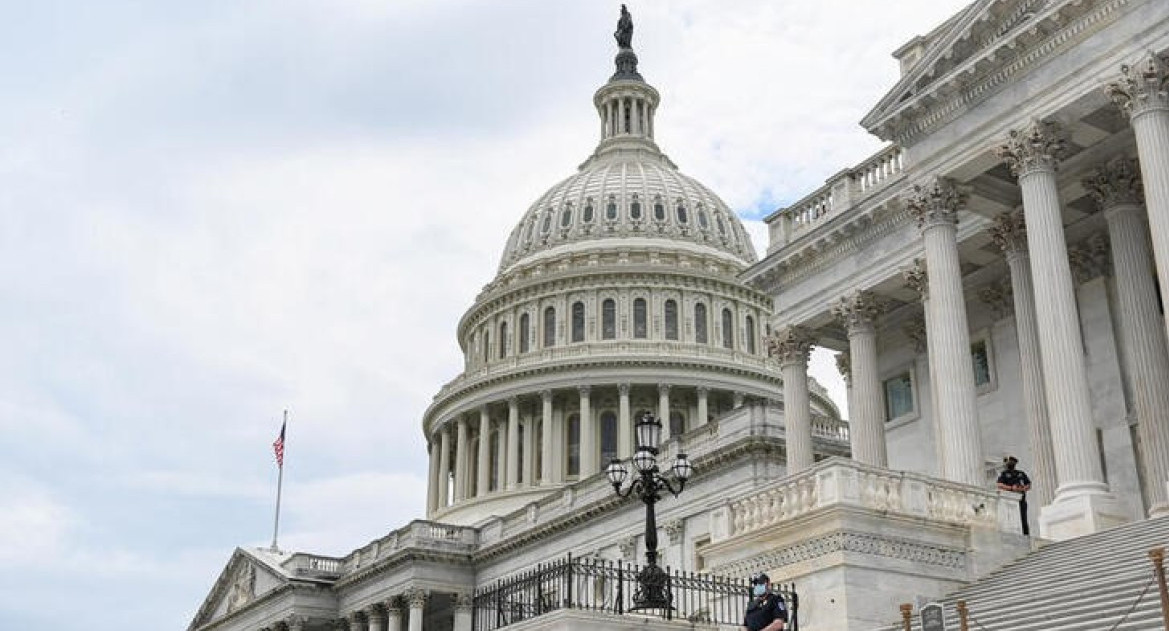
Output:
[[278, 446]]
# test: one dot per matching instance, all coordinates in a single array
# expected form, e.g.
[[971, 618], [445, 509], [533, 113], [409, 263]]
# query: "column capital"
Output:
[[663, 388], [355, 618], [584, 390], [914, 329], [416, 598], [513, 402], [1143, 87], [1009, 233], [844, 365], [393, 605], [999, 297], [1090, 258], [375, 613], [296, 622], [702, 390], [1116, 183], [858, 311], [623, 389], [935, 202], [464, 602], [546, 395], [917, 278], [1037, 147], [790, 345]]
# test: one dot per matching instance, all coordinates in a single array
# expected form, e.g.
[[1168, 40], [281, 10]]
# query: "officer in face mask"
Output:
[[766, 611]]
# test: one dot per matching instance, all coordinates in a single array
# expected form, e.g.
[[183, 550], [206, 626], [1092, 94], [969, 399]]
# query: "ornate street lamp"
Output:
[[653, 589]]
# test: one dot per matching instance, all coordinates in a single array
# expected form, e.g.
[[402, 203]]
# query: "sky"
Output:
[[214, 211]]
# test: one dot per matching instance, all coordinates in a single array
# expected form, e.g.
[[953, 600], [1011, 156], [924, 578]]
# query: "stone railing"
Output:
[[417, 534], [830, 429], [314, 566], [841, 192], [839, 482]]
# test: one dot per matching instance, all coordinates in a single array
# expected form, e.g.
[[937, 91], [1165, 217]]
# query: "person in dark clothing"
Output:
[[1012, 479], [767, 611]]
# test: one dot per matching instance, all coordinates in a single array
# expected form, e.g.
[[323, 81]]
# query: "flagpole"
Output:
[[279, 488]]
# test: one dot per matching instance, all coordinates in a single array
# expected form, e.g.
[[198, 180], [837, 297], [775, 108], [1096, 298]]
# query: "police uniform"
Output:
[[1015, 477], [765, 609]]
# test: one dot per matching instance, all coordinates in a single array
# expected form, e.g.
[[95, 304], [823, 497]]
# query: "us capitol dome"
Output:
[[617, 294]]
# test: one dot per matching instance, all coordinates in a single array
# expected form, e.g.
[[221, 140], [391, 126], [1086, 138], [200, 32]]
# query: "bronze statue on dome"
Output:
[[624, 34]]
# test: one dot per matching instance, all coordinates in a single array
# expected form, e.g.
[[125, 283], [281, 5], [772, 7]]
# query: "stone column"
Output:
[[1143, 94], [664, 409], [529, 450], [513, 443], [737, 399], [624, 423], [703, 405], [432, 478], [376, 617], [501, 462], [1117, 189], [791, 347], [356, 621], [461, 460], [1083, 503], [464, 604], [917, 278], [588, 434], [859, 312], [296, 623], [936, 207], [393, 614], [1010, 233], [416, 599], [546, 438], [444, 465], [483, 479], [844, 367]]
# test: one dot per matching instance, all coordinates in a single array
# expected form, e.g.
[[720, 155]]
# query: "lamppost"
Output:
[[653, 590]]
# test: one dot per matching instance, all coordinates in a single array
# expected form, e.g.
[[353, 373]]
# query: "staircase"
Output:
[[1085, 583]]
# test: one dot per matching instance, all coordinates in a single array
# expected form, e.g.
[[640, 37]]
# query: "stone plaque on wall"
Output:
[[933, 617]]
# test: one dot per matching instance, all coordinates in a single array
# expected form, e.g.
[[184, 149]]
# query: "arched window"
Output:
[[681, 212], [728, 329], [700, 323], [608, 437], [502, 340], [640, 330], [566, 217], [609, 319], [578, 321], [670, 311], [549, 327], [525, 332], [750, 335], [486, 346], [611, 209], [635, 209], [659, 210], [573, 446], [677, 423], [587, 216]]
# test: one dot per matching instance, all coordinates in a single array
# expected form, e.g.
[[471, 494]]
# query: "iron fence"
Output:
[[607, 587]]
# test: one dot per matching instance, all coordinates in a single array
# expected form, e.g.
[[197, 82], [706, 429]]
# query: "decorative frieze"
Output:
[[935, 202], [837, 542], [1143, 86], [1115, 183], [790, 345], [1038, 147]]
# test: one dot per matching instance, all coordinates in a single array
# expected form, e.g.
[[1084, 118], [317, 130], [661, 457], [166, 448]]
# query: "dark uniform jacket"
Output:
[[1014, 477], [764, 610]]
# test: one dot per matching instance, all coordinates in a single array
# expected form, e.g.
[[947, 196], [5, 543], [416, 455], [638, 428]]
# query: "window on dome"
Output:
[[502, 340], [578, 321], [635, 209], [547, 222], [681, 214], [520, 474], [670, 311], [700, 323], [525, 331], [702, 220], [566, 217], [528, 230], [587, 217], [718, 221], [486, 346], [611, 209], [609, 319], [677, 423], [750, 335], [640, 330], [608, 436], [659, 210], [728, 329], [573, 446], [549, 327]]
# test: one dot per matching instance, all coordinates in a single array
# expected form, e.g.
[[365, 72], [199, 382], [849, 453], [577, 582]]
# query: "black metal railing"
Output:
[[607, 587]]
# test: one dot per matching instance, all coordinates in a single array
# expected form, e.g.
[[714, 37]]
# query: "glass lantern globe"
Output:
[[682, 468], [649, 432], [616, 472], [644, 460]]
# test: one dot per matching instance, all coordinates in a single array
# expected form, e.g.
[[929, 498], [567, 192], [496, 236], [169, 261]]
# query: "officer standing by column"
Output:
[[1012, 479], [766, 611]]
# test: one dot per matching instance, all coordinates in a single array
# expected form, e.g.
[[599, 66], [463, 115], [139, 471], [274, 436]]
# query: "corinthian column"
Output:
[[1117, 189], [461, 460], [432, 479], [1143, 94], [936, 207], [546, 438], [624, 423], [1083, 503], [664, 409], [393, 614], [1010, 234], [917, 278], [483, 485], [791, 346], [416, 599], [513, 443], [588, 434], [464, 603], [444, 465], [858, 312]]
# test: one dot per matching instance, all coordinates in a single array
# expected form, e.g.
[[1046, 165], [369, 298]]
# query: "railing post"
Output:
[[795, 608], [568, 582], [906, 616], [962, 615], [1157, 555]]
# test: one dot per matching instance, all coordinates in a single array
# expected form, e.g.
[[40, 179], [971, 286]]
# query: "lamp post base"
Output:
[[653, 589]]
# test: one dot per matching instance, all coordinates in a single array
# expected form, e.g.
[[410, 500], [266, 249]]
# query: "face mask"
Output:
[[759, 590]]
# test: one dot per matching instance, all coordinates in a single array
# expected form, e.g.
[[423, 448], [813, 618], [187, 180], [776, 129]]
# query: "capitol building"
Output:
[[991, 283]]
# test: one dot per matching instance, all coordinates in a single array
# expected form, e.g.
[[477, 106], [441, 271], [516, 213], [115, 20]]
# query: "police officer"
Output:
[[766, 611], [1012, 479]]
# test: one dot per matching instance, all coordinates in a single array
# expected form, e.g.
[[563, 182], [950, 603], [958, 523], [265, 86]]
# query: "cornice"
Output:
[[400, 558]]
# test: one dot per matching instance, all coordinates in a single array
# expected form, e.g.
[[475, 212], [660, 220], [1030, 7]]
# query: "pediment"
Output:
[[246, 578]]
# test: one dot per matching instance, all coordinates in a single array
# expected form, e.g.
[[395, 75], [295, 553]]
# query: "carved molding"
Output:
[[1115, 183], [1037, 147], [1142, 87], [862, 543], [936, 202]]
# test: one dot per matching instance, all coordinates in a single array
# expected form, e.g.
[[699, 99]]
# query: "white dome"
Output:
[[631, 194]]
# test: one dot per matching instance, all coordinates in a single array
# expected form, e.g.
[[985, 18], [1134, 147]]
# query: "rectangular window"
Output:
[[981, 358], [898, 396], [573, 437]]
